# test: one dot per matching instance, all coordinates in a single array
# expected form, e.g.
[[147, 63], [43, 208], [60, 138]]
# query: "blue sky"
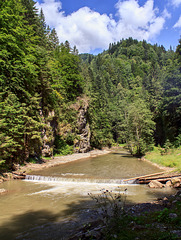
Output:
[[92, 24]]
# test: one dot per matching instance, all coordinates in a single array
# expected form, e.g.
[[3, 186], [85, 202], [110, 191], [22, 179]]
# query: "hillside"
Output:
[[55, 101]]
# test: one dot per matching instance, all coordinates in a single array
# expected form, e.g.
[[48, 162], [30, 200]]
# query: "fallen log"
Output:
[[19, 175], [146, 181], [145, 176], [162, 179]]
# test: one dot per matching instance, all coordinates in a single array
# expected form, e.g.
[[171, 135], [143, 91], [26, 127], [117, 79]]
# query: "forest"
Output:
[[54, 100]]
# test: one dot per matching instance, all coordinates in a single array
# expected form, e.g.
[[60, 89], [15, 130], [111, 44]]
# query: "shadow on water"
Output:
[[128, 156], [44, 225], [122, 153], [20, 223]]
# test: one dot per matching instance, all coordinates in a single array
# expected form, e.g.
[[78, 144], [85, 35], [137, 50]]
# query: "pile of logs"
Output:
[[157, 180]]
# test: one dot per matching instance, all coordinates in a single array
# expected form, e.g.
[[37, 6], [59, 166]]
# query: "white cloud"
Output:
[[138, 22], [178, 23], [166, 14], [88, 29], [176, 3]]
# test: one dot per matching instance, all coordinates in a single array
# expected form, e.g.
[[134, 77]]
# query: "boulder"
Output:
[[177, 185], [168, 184], [7, 176], [175, 180], [155, 184], [2, 191]]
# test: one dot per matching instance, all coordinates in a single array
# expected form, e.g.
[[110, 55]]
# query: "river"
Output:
[[52, 203]]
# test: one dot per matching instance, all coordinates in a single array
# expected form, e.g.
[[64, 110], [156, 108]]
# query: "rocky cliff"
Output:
[[79, 129], [82, 141]]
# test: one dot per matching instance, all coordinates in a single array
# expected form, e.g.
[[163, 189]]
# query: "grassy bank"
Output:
[[167, 158]]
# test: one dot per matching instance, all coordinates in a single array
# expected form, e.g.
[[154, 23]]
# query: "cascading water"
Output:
[[37, 178]]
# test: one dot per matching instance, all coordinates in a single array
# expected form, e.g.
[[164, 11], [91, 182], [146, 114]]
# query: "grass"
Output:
[[47, 158], [172, 158]]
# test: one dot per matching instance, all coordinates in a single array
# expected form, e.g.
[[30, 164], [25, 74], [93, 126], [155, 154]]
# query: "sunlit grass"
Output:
[[171, 159]]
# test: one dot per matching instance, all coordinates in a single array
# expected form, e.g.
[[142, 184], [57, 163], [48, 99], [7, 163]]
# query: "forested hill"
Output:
[[135, 92], [53, 100]]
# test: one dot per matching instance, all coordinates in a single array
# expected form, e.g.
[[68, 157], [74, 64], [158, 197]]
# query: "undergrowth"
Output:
[[118, 223]]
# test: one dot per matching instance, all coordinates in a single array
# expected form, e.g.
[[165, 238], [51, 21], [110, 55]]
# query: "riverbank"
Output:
[[22, 171], [170, 160], [160, 219]]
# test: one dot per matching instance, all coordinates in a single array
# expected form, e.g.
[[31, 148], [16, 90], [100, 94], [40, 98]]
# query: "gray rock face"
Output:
[[82, 143], [48, 135], [82, 132]]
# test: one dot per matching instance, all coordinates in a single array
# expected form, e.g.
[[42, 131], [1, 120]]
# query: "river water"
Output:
[[52, 203]]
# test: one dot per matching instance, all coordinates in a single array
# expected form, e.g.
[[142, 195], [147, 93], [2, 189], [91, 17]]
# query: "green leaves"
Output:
[[20, 126], [66, 78]]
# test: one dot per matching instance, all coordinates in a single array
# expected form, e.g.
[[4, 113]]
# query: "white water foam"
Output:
[[72, 174], [71, 186], [77, 180]]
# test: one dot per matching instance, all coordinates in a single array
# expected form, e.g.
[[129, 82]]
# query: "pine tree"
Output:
[[53, 39], [20, 127]]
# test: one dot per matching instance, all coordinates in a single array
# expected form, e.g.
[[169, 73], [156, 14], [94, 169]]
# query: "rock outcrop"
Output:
[[82, 142], [48, 133], [81, 130]]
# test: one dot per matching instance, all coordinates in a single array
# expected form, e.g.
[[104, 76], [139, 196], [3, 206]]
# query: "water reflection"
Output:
[[118, 165]]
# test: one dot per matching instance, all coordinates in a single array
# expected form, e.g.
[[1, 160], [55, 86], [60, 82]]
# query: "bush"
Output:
[[3, 165], [62, 147], [177, 142], [111, 205]]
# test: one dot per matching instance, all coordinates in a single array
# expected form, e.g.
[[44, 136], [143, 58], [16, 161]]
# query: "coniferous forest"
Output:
[[55, 100]]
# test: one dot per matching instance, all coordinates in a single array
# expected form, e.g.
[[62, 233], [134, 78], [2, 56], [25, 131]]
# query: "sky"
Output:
[[91, 25]]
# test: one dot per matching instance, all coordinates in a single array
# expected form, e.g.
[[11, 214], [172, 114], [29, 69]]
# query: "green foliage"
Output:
[[37, 76], [131, 87], [177, 142], [62, 147], [166, 147], [20, 126], [3, 166], [138, 127], [67, 81], [134, 91]]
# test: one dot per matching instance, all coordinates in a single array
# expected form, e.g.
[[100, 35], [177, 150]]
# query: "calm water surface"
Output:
[[57, 201]]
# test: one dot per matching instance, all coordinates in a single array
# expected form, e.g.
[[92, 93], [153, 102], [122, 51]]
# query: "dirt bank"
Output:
[[62, 159]]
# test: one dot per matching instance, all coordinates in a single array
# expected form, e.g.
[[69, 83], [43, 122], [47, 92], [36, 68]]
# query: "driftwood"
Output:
[[159, 179], [162, 177], [146, 181], [144, 176], [19, 175]]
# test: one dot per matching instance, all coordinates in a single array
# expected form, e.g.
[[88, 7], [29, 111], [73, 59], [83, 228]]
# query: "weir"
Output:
[[37, 178]]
